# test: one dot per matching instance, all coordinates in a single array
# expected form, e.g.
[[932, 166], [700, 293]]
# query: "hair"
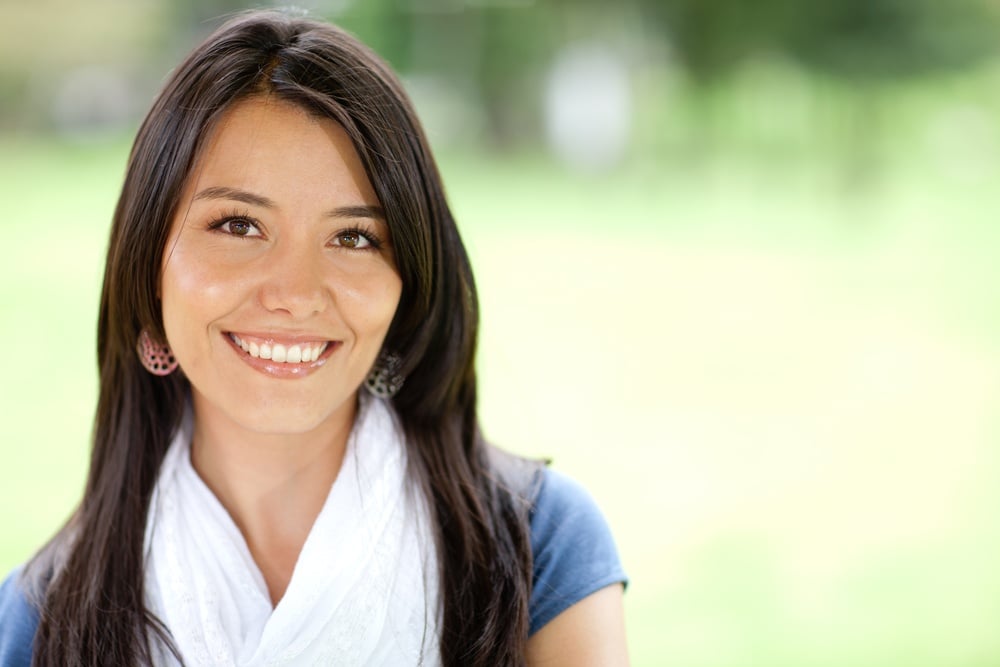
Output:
[[88, 581]]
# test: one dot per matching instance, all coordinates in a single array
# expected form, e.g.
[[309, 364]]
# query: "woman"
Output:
[[282, 239]]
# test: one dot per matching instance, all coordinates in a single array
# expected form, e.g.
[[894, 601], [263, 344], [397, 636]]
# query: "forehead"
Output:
[[276, 147]]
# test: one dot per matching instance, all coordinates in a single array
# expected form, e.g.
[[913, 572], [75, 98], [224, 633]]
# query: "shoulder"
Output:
[[573, 550], [18, 622]]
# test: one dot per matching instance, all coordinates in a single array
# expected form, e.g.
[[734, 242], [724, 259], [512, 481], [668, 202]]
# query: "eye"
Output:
[[238, 227], [355, 239], [235, 223]]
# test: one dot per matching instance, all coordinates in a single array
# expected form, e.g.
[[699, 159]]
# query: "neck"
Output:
[[272, 485]]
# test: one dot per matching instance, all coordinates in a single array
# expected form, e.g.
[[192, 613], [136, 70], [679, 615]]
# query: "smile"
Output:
[[280, 353]]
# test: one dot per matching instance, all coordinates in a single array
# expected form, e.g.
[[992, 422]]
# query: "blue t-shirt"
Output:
[[574, 556], [18, 621]]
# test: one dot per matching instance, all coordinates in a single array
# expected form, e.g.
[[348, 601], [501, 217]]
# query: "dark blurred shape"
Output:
[[852, 38]]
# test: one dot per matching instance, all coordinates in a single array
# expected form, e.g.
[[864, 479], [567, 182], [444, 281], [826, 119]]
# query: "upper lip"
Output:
[[284, 337]]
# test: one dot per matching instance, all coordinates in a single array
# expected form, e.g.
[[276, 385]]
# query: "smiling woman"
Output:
[[300, 265], [282, 240], [278, 289]]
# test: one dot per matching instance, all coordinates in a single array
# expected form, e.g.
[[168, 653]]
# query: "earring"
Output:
[[385, 380], [155, 357]]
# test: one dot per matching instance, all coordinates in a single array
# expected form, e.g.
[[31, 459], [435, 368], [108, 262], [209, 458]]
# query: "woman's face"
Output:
[[279, 281]]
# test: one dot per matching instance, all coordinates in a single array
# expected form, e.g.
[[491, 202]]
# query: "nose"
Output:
[[292, 281]]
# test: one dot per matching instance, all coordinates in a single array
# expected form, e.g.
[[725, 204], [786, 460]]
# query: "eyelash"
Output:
[[232, 216], [375, 243]]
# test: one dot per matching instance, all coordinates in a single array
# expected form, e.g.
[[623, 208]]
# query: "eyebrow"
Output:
[[235, 194]]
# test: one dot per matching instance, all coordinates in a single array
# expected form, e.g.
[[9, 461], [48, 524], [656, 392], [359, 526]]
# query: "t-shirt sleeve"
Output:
[[18, 622], [574, 552]]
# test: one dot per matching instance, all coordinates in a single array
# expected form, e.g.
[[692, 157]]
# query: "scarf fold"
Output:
[[364, 590]]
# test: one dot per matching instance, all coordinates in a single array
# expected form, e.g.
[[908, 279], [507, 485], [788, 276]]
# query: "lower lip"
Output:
[[282, 370]]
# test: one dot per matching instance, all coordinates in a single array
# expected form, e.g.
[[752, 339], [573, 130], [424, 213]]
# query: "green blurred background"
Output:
[[738, 270]]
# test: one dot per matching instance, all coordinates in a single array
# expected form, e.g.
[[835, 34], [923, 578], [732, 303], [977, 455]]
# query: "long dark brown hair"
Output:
[[88, 581]]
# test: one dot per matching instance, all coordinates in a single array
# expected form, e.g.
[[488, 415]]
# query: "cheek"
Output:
[[195, 290], [205, 272], [181, 309], [176, 286], [369, 305], [377, 304]]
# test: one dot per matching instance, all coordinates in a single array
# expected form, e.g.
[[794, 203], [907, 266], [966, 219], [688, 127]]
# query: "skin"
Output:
[[270, 446], [591, 633], [269, 443]]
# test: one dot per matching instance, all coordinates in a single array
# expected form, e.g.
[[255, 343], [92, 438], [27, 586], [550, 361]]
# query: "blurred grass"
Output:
[[783, 391]]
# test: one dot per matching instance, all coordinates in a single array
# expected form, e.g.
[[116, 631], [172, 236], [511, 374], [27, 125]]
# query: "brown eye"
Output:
[[240, 227], [353, 240]]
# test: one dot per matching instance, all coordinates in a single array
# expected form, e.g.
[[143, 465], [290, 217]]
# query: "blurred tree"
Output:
[[516, 46], [871, 44], [854, 38], [859, 46], [888, 39], [711, 37], [384, 25], [494, 53]]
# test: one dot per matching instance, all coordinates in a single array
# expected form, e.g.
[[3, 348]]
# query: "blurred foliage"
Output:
[[857, 39], [892, 38], [496, 54]]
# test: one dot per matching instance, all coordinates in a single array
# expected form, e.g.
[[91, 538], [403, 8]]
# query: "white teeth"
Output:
[[293, 354]]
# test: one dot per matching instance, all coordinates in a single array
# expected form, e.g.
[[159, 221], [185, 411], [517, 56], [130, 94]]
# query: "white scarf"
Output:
[[364, 590]]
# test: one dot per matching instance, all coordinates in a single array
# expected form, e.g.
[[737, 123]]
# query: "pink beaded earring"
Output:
[[155, 357]]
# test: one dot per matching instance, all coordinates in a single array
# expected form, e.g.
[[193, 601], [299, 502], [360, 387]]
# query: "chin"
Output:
[[289, 417]]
